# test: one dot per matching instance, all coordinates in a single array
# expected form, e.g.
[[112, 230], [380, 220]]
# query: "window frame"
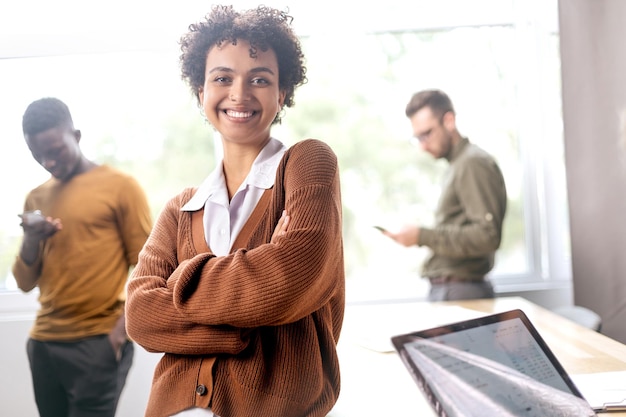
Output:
[[544, 190]]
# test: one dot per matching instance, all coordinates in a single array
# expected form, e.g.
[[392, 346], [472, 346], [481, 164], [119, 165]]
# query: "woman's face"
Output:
[[240, 96]]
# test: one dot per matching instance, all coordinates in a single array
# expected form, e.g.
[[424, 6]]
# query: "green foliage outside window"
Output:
[[354, 100]]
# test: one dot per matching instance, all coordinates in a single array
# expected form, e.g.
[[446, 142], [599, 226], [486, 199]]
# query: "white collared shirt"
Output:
[[223, 219]]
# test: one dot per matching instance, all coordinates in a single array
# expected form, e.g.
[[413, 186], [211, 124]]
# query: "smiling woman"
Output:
[[122, 80], [117, 66], [267, 251], [241, 101]]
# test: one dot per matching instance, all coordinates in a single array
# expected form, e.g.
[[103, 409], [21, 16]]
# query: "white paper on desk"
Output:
[[380, 323], [604, 391]]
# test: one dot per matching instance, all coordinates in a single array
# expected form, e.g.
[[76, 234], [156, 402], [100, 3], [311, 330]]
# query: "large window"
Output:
[[498, 60]]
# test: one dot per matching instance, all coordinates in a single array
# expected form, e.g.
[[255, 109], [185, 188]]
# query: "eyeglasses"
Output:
[[423, 137], [416, 140]]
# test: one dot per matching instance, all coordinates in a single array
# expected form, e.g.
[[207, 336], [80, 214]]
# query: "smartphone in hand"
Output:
[[29, 217]]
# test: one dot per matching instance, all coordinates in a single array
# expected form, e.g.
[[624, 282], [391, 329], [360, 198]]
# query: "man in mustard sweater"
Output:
[[83, 230]]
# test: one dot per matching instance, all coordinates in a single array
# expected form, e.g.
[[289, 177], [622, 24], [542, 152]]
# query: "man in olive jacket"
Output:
[[471, 208]]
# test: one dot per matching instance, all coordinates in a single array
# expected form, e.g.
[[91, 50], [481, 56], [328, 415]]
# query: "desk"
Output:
[[377, 384]]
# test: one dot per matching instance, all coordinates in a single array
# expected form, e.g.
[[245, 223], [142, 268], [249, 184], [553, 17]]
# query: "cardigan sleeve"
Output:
[[282, 282], [209, 305], [152, 320]]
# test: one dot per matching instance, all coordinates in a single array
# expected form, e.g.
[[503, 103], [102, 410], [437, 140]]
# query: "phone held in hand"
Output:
[[30, 216]]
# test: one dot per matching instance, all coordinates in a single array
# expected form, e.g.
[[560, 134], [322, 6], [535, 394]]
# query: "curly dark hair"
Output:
[[44, 114], [264, 28]]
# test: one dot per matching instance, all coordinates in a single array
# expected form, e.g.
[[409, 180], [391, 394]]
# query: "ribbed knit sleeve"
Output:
[[152, 320], [282, 282], [252, 333]]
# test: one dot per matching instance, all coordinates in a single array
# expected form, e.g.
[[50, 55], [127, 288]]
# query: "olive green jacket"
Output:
[[469, 216]]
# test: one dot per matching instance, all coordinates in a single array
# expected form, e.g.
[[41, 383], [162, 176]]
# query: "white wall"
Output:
[[16, 395], [592, 34]]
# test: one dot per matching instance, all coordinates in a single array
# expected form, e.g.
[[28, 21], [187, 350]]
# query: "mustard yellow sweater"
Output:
[[253, 333], [83, 268]]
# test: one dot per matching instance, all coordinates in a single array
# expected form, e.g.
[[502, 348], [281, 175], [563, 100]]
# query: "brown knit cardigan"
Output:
[[253, 333]]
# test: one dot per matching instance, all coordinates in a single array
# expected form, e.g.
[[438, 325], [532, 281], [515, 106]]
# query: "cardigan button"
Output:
[[201, 390]]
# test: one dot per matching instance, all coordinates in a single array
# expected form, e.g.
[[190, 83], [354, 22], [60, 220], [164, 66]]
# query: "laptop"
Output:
[[492, 366]]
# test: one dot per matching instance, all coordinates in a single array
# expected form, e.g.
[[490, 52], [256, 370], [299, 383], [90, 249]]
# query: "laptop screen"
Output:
[[496, 365]]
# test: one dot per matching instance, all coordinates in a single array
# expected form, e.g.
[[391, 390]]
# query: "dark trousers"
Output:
[[78, 379]]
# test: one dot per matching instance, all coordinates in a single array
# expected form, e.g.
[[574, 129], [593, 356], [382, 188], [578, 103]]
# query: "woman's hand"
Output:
[[281, 227]]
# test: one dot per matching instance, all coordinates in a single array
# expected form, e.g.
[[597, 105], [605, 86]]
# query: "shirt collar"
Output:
[[457, 149], [262, 175]]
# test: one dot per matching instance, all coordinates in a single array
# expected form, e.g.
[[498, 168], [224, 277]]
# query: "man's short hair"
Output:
[[438, 102], [44, 114]]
